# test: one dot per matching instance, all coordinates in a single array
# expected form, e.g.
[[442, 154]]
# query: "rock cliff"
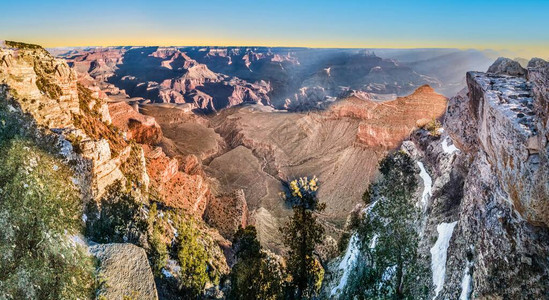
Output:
[[483, 190]]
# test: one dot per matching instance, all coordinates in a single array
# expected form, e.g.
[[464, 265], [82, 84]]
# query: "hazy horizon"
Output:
[[493, 25]]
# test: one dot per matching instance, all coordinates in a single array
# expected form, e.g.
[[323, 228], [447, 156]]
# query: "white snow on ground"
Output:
[[438, 254], [347, 262], [84, 218], [167, 273], [448, 148], [427, 184], [466, 283], [389, 273], [373, 242]]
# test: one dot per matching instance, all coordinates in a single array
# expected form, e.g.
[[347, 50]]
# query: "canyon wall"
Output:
[[482, 192]]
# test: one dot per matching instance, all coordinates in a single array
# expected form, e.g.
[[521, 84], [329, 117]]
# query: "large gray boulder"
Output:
[[125, 271], [506, 66]]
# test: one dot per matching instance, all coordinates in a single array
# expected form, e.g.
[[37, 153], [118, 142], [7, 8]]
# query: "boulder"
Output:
[[126, 271], [506, 66]]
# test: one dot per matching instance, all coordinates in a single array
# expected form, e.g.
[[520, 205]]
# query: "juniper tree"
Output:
[[193, 260]]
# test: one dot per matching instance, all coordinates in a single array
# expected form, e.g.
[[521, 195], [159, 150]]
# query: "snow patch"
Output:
[[166, 273], [438, 254], [448, 148], [427, 184], [373, 242], [347, 262], [466, 282], [84, 218], [389, 273]]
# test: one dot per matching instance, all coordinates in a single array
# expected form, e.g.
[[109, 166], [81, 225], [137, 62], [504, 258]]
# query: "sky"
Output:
[[517, 26]]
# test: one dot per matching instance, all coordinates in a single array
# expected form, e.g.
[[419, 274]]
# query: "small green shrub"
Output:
[[433, 127]]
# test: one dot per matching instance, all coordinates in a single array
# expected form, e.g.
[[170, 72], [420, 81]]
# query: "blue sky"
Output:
[[514, 25]]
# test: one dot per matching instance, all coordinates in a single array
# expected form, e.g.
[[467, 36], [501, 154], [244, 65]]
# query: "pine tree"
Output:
[[193, 260], [255, 275], [390, 268], [301, 235]]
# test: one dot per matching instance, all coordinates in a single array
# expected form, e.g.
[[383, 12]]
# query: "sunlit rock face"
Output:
[[46, 88]]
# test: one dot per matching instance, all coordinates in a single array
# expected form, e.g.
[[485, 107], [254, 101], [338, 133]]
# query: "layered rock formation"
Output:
[[143, 129], [164, 75], [46, 88], [103, 144], [174, 188]]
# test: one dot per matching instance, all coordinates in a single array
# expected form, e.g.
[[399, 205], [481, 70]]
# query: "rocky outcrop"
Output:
[[45, 86], [383, 126], [506, 66], [125, 272], [174, 188], [140, 128], [227, 213], [47, 89]]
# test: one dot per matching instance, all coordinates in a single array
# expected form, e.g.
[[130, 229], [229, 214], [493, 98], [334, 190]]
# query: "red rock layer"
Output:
[[385, 124]]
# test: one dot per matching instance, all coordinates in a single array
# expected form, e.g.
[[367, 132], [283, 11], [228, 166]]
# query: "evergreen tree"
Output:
[[389, 265], [193, 260], [256, 275], [301, 235]]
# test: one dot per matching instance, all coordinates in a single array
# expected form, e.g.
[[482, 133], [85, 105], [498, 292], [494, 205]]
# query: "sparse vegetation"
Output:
[[52, 90], [116, 218], [20, 45], [433, 127], [97, 130]]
